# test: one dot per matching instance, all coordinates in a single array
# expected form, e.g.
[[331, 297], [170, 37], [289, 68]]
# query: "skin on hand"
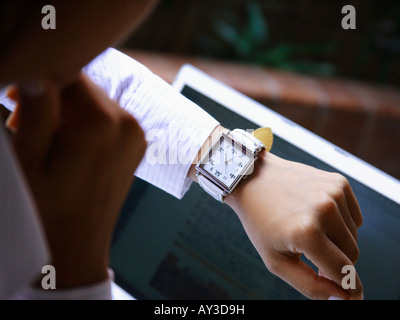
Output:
[[288, 210], [78, 150]]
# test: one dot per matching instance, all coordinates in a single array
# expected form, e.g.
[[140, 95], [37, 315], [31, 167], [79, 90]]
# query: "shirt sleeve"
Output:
[[175, 127], [175, 130]]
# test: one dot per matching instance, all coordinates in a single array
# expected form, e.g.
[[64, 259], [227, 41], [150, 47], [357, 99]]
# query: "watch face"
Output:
[[226, 162]]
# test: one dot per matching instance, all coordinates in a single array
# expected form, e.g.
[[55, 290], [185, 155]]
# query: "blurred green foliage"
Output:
[[252, 42]]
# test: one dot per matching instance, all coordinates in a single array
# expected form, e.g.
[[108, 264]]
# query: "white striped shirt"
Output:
[[175, 129]]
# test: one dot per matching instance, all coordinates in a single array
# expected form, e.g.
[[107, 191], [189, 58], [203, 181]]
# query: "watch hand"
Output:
[[225, 160], [225, 157], [226, 163]]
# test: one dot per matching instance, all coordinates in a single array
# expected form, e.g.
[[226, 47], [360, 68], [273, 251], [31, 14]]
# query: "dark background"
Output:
[[298, 31]]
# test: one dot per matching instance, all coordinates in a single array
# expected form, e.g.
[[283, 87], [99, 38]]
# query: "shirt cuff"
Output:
[[175, 127], [175, 130]]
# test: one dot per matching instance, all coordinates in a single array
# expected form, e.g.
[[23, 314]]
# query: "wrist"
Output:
[[244, 192], [242, 171], [79, 260]]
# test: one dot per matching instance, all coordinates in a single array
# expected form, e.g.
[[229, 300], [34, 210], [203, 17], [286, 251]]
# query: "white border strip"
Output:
[[289, 131]]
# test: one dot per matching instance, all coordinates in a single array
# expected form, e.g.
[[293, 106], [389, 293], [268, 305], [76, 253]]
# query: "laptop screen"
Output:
[[196, 248]]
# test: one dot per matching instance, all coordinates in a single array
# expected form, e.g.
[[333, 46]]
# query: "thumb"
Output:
[[38, 105]]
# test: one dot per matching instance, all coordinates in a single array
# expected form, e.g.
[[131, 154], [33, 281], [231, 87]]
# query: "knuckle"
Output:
[[307, 232], [339, 180], [274, 263], [129, 125], [336, 193], [325, 204], [102, 120], [130, 128]]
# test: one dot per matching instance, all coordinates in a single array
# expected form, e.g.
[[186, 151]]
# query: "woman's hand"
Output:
[[78, 150], [289, 209]]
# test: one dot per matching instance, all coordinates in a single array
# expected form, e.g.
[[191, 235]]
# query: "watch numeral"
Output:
[[217, 173], [232, 176]]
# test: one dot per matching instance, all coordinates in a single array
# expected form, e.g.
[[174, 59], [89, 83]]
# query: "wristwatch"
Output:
[[230, 159]]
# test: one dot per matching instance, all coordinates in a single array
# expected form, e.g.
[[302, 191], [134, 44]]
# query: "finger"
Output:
[[347, 217], [13, 120], [12, 117], [37, 119], [86, 115], [342, 232], [4, 111], [353, 206], [89, 123], [12, 92], [330, 260], [84, 99], [305, 280], [343, 184]]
